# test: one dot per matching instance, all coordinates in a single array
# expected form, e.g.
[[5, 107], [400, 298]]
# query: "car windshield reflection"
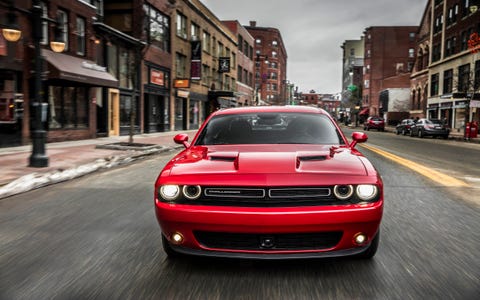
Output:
[[270, 128]]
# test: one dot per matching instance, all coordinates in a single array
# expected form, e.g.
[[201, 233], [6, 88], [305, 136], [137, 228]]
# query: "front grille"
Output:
[[266, 197], [268, 242]]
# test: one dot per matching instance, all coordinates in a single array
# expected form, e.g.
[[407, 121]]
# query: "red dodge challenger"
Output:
[[270, 182]]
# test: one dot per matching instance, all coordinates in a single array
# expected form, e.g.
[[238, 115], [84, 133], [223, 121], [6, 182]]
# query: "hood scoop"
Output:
[[230, 156], [312, 158]]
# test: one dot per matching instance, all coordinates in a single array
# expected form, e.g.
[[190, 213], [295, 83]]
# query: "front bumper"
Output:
[[350, 220]]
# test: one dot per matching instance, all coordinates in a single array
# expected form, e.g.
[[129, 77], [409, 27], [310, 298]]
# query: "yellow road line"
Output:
[[436, 176]]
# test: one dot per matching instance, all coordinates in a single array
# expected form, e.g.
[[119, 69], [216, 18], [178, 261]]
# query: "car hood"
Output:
[[274, 159]]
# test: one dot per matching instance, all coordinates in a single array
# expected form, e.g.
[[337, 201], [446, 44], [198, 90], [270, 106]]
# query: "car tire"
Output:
[[372, 248], [445, 137], [420, 134], [168, 249], [404, 132], [397, 132], [411, 133]]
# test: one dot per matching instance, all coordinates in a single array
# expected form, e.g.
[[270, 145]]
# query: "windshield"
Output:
[[270, 128]]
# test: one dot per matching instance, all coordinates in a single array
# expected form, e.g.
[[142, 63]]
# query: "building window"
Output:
[[62, 18], [126, 68], [450, 46], [448, 81], [411, 36], [206, 42], [476, 83], [434, 85], [157, 28], [464, 78], [80, 36], [274, 54], [195, 32], [44, 7], [69, 107], [274, 43], [258, 41], [181, 65], [181, 26], [436, 53], [411, 53]]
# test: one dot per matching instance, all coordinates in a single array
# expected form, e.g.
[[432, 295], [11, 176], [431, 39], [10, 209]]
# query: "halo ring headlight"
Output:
[[366, 192], [343, 192], [169, 191], [192, 192]]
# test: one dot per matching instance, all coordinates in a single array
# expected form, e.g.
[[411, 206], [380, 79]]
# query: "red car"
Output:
[[374, 123], [270, 182]]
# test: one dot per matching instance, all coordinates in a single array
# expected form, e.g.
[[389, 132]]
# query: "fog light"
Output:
[[177, 238], [360, 238]]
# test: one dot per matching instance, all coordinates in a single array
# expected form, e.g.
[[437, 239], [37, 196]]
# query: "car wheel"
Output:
[[411, 132], [397, 132], [420, 134], [404, 132], [445, 136], [168, 249], [372, 249]]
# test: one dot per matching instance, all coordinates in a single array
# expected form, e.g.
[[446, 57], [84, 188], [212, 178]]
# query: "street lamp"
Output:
[[11, 32]]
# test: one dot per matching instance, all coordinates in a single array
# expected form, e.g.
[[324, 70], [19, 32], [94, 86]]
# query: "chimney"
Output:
[[253, 23]]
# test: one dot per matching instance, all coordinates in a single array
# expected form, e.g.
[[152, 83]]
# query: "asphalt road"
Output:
[[96, 237]]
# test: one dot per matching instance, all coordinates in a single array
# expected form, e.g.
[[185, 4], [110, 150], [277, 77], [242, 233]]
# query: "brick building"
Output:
[[419, 76], [389, 58], [270, 65], [245, 84], [454, 70]]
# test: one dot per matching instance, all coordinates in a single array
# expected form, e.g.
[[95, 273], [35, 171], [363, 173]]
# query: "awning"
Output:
[[66, 67], [364, 111]]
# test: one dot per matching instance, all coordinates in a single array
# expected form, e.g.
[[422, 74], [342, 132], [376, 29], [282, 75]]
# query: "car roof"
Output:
[[265, 109]]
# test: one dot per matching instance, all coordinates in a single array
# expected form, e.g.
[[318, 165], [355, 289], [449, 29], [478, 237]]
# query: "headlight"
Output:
[[343, 192], [367, 192], [192, 192], [169, 191]]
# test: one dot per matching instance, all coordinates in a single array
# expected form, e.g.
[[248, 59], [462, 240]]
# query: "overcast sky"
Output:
[[314, 30]]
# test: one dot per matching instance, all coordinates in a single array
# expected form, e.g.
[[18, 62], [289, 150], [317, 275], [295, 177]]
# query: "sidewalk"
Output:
[[68, 160]]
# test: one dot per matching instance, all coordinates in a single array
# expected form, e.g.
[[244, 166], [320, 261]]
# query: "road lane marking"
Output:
[[433, 175]]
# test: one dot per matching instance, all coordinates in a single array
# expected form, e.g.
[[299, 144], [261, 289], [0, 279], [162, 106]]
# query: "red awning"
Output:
[[364, 111]]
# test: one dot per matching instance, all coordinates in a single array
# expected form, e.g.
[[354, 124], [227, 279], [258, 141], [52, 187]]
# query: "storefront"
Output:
[[196, 105], [157, 100], [72, 91]]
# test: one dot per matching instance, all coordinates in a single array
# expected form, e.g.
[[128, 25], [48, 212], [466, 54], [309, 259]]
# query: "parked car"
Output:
[[269, 182], [404, 126], [429, 127], [374, 123]]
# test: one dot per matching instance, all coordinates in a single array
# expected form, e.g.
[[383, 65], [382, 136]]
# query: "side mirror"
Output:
[[358, 137], [182, 139]]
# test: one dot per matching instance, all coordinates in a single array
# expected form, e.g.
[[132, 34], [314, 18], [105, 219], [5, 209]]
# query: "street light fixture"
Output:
[[11, 32]]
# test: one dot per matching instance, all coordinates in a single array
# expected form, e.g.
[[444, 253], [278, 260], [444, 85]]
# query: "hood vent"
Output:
[[312, 158], [223, 158]]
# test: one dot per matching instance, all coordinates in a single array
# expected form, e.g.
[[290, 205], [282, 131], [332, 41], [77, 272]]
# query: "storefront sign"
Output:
[[157, 77], [224, 64], [474, 103], [183, 94], [181, 83]]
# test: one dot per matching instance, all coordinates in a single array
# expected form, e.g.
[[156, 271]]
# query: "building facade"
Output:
[[270, 65], [245, 91], [454, 69], [389, 58]]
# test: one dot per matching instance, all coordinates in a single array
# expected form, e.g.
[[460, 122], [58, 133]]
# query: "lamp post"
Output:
[[38, 157]]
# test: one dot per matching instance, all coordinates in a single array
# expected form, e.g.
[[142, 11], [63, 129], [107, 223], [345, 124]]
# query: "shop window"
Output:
[[68, 107]]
